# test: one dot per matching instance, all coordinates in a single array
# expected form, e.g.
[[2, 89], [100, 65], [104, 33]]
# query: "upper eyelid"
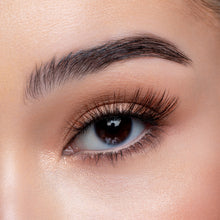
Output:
[[123, 97]]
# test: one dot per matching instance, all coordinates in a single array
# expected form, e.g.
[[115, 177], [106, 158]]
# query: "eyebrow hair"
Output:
[[83, 62]]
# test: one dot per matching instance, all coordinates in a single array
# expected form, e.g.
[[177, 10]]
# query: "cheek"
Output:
[[176, 181], [193, 169], [197, 195]]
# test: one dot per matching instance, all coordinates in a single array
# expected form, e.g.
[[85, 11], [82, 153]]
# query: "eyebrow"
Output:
[[77, 65]]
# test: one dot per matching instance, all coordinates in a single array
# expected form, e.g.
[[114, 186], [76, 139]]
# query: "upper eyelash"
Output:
[[154, 106]]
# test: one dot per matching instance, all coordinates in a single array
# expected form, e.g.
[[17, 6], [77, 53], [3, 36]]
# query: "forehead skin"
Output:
[[33, 31]]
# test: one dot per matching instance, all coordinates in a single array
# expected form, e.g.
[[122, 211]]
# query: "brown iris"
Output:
[[113, 130]]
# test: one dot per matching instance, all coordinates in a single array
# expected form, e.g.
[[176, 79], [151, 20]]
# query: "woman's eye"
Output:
[[109, 133], [119, 129]]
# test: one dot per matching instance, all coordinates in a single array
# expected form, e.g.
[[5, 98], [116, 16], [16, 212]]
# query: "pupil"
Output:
[[113, 130]]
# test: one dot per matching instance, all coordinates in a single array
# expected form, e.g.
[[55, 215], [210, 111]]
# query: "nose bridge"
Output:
[[15, 178], [23, 189], [12, 175], [9, 185]]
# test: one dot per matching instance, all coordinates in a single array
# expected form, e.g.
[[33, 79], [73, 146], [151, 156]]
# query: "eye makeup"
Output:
[[151, 108]]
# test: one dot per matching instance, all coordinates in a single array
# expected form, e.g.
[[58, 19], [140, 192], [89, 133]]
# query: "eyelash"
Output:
[[151, 108]]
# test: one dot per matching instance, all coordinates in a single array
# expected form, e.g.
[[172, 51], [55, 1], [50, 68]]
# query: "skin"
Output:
[[179, 179]]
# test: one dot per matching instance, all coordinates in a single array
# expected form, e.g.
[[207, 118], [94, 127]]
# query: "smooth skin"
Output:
[[180, 179]]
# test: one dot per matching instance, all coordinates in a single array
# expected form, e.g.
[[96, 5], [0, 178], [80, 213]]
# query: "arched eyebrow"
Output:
[[77, 65]]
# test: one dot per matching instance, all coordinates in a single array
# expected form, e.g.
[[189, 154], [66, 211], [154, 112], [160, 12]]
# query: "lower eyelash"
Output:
[[152, 108], [147, 142]]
